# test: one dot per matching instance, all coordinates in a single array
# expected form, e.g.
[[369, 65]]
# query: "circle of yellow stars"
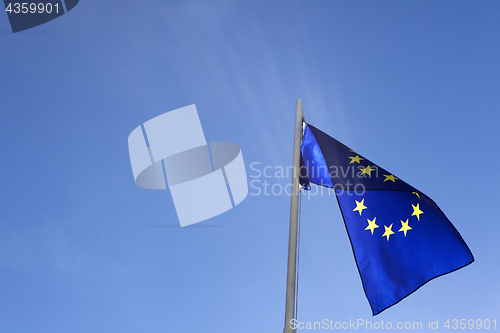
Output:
[[360, 205], [372, 224]]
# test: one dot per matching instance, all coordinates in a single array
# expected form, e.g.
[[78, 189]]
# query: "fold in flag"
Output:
[[399, 236]]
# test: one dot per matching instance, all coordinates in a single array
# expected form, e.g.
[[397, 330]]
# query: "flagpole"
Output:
[[292, 237]]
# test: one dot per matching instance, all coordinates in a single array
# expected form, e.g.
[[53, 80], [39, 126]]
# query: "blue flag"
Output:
[[399, 236]]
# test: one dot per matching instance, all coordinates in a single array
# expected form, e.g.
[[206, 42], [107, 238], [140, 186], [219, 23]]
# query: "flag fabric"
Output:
[[399, 236]]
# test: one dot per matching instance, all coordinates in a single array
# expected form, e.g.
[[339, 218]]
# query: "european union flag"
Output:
[[399, 236]]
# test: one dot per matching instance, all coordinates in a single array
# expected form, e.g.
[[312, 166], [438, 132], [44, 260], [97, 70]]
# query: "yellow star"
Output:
[[355, 159], [371, 225], [416, 194], [404, 226], [417, 211], [366, 170], [359, 206], [388, 231], [390, 177]]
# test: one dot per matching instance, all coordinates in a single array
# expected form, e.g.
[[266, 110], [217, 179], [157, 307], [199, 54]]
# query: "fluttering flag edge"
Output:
[[425, 282]]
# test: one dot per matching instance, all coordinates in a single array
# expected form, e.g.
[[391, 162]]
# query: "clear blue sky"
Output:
[[412, 85]]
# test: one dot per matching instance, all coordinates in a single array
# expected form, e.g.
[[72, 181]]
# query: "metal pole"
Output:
[[292, 238]]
